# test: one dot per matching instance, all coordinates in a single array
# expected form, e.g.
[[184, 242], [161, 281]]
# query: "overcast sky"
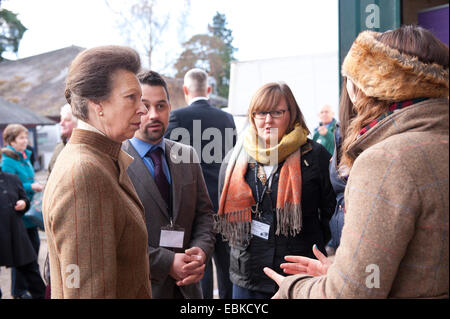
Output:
[[261, 28]]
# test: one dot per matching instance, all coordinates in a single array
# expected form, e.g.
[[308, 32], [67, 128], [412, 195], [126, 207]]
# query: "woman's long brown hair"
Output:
[[411, 40]]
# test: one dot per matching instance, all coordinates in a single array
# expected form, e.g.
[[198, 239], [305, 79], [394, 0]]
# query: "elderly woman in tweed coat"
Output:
[[395, 240], [94, 220]]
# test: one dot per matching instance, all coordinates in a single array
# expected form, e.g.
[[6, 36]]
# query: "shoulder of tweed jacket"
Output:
[[89, 196]]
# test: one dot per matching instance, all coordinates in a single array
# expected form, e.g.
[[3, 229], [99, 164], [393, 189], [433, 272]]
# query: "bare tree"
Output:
[[145, 24]]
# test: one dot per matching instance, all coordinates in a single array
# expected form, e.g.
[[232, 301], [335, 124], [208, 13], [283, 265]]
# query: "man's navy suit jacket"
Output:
[[210, 117]]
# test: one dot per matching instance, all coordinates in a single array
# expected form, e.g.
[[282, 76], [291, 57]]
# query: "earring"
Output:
[[100, 113]]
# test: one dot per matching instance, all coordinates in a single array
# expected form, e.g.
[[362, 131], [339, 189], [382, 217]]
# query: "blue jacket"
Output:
[[14, 163]]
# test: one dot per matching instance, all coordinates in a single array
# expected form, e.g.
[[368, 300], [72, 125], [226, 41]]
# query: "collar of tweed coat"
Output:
[[383, 72], [100, 142], [426, 116]]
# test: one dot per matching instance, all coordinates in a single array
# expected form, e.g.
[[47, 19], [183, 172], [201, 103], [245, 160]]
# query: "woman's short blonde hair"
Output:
[[269, 96], [12, 131]]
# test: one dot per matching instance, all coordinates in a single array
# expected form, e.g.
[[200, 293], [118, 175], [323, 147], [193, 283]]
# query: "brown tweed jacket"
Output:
[[394, 242], [94, 222]]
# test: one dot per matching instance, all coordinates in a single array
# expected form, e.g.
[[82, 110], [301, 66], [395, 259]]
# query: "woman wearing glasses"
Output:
[[273, 185]]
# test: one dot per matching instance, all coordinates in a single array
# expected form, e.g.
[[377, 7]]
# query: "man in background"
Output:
[[207, 124], [68, 123], [324, 133]]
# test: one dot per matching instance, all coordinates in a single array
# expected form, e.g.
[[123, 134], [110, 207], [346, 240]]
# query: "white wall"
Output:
[[48, 138], [313, 79]]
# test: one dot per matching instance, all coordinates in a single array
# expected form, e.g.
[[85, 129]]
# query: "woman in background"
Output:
[[16, 249], [16, 160]]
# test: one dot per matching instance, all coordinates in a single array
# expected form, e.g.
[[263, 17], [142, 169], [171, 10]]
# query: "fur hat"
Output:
[[384, 73]]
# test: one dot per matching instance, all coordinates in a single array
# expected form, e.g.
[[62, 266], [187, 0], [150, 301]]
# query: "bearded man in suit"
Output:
[[178, 210]]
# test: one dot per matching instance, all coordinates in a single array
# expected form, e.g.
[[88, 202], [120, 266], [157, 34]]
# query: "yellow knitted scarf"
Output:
[[234, 217]]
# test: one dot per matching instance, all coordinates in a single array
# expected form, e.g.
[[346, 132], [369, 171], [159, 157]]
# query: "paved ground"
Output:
[[5, 273]]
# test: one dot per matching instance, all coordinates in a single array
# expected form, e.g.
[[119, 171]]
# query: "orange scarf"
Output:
[[234, 217]]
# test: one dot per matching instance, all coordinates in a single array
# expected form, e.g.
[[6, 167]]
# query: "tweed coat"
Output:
[[192, 210], [59, 147], [395, 240], [94, 222]]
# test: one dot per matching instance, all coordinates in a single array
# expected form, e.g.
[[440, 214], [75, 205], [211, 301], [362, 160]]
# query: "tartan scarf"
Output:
[[234, 216], [394, 107]]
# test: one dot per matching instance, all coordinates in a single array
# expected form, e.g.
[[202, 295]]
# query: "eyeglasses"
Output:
[[274, 114]]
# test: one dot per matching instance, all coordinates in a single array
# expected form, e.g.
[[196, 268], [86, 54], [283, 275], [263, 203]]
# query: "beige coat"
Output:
[[94, 223], [397, 208]]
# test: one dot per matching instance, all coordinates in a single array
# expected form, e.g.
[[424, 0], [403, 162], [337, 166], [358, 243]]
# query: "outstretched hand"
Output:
[[275, 277], [300, 265], [305, 265]]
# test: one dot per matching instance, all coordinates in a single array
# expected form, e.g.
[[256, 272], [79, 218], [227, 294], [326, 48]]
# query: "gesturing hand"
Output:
[[305, 265], [275, 277]]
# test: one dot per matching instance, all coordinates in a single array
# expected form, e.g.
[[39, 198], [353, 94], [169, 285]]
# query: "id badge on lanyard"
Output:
[[258, 227], [172, 236]]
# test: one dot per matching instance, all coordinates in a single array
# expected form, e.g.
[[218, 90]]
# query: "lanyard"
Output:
[[259, 199], [170, 206]]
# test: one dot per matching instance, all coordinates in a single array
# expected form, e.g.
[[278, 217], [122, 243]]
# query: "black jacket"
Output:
[[318, 203], [212, 134], [338, 183], [15, 245]]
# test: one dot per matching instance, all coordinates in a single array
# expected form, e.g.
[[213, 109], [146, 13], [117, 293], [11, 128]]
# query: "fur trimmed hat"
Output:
[[384, 73]]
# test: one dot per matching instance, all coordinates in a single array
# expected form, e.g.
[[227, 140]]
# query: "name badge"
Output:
[[171, 238], [260, 230]]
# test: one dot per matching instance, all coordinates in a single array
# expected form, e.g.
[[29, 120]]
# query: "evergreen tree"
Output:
[[212, 52], [219, 30]]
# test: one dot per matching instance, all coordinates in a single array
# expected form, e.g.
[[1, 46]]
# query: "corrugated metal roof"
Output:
[[13, 113]]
